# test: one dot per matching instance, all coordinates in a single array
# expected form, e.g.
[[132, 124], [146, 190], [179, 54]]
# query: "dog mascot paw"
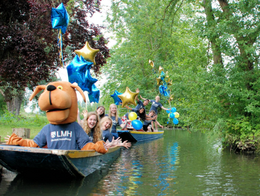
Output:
[[59, 101]]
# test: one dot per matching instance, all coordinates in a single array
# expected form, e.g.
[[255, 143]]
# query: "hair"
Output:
[[153, 111], [97, 131], [102, 115], [110, 111], [103, 120], [142, 115]]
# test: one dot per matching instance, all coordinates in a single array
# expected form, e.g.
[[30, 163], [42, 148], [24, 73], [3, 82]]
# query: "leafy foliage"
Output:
[[210, 49], [28, 49]]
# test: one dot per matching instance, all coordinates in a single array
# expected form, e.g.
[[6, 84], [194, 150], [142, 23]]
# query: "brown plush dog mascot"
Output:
[[59, 101]]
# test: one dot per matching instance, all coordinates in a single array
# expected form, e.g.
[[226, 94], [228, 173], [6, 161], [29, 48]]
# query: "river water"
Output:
[[181, 163]]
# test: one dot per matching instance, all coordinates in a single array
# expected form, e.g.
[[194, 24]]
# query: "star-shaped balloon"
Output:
[[88, 82], [160, 69], [163, 90], [87, 53], [60, 18], [151, 63], [128, 97], [94, 95], [158, 80], [117, 100], [77, 70]]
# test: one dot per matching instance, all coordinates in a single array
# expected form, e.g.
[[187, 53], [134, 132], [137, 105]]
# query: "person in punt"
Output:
[[139, 102], [113, 114], [59, 101], [105, 125], [147, 126], [100, 111], [155, 106]]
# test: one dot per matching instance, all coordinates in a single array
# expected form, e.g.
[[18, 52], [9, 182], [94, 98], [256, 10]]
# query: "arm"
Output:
[[165, 108], [142, 97], [15, 140], [127, 107], [98, 147], [151, 118]]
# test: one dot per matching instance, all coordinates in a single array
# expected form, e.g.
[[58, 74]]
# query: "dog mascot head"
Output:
[[59, 101]]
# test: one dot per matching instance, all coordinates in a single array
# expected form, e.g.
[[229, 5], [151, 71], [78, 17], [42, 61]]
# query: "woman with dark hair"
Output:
[[101, 111]]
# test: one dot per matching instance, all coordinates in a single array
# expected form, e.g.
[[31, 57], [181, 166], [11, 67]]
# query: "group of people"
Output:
[[97, 125], [100, 125], [150, 122]]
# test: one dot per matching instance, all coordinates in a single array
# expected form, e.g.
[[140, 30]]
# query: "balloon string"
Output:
[[60, 47]]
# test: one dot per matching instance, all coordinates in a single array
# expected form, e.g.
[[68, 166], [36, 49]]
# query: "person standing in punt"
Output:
[[155, 106], [113, 114]]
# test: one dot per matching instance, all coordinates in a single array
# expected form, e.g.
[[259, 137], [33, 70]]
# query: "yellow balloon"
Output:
[[176, 114], [160, 69], [87, 53], [128, 97], [158, 80], [151, 63], [132, 116]]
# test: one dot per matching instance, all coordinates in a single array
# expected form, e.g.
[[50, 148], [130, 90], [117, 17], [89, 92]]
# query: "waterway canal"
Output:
[[181, 163]]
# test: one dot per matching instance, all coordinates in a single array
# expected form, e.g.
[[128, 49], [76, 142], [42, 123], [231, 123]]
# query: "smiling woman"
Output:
[[92, 127]]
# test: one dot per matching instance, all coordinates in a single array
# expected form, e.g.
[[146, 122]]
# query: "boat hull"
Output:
[[139, 136], [45, 162]]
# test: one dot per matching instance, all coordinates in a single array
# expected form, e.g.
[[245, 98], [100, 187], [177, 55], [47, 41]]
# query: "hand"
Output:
[[137, 90], [7, 138], [126, 144]]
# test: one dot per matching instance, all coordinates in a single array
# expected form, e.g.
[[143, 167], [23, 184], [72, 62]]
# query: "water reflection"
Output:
[[181, 163]]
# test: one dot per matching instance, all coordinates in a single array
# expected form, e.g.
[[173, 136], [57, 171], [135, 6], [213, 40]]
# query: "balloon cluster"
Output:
[[174, 115], [79, 68], [163, 81], [60, 20], [125, 98], [79, 71], [136, 124]]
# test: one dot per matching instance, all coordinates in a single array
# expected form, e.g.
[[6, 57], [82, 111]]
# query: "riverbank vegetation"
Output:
[[211, 52]]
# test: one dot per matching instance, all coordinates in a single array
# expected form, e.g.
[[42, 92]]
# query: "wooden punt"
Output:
[[139, 136], [40, 162]]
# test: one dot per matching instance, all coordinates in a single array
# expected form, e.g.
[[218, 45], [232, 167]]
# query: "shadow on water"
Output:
[[17, 185]]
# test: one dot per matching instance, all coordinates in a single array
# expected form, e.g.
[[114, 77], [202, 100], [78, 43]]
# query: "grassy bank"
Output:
[[33, 122]]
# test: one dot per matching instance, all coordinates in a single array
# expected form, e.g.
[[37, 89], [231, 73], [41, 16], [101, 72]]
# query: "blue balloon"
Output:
[[168, 111], [117, 100], [137, 124], [77, 70], [94, 95], [163, 90], [88, 82], [175, 121], [173, 110], [172, 115], [60, 18]]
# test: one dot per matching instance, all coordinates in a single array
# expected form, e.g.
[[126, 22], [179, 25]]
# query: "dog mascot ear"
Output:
[[59, 101]]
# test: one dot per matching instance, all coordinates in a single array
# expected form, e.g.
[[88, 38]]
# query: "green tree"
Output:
[[210, 50], [29, 53], [163, 32]]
